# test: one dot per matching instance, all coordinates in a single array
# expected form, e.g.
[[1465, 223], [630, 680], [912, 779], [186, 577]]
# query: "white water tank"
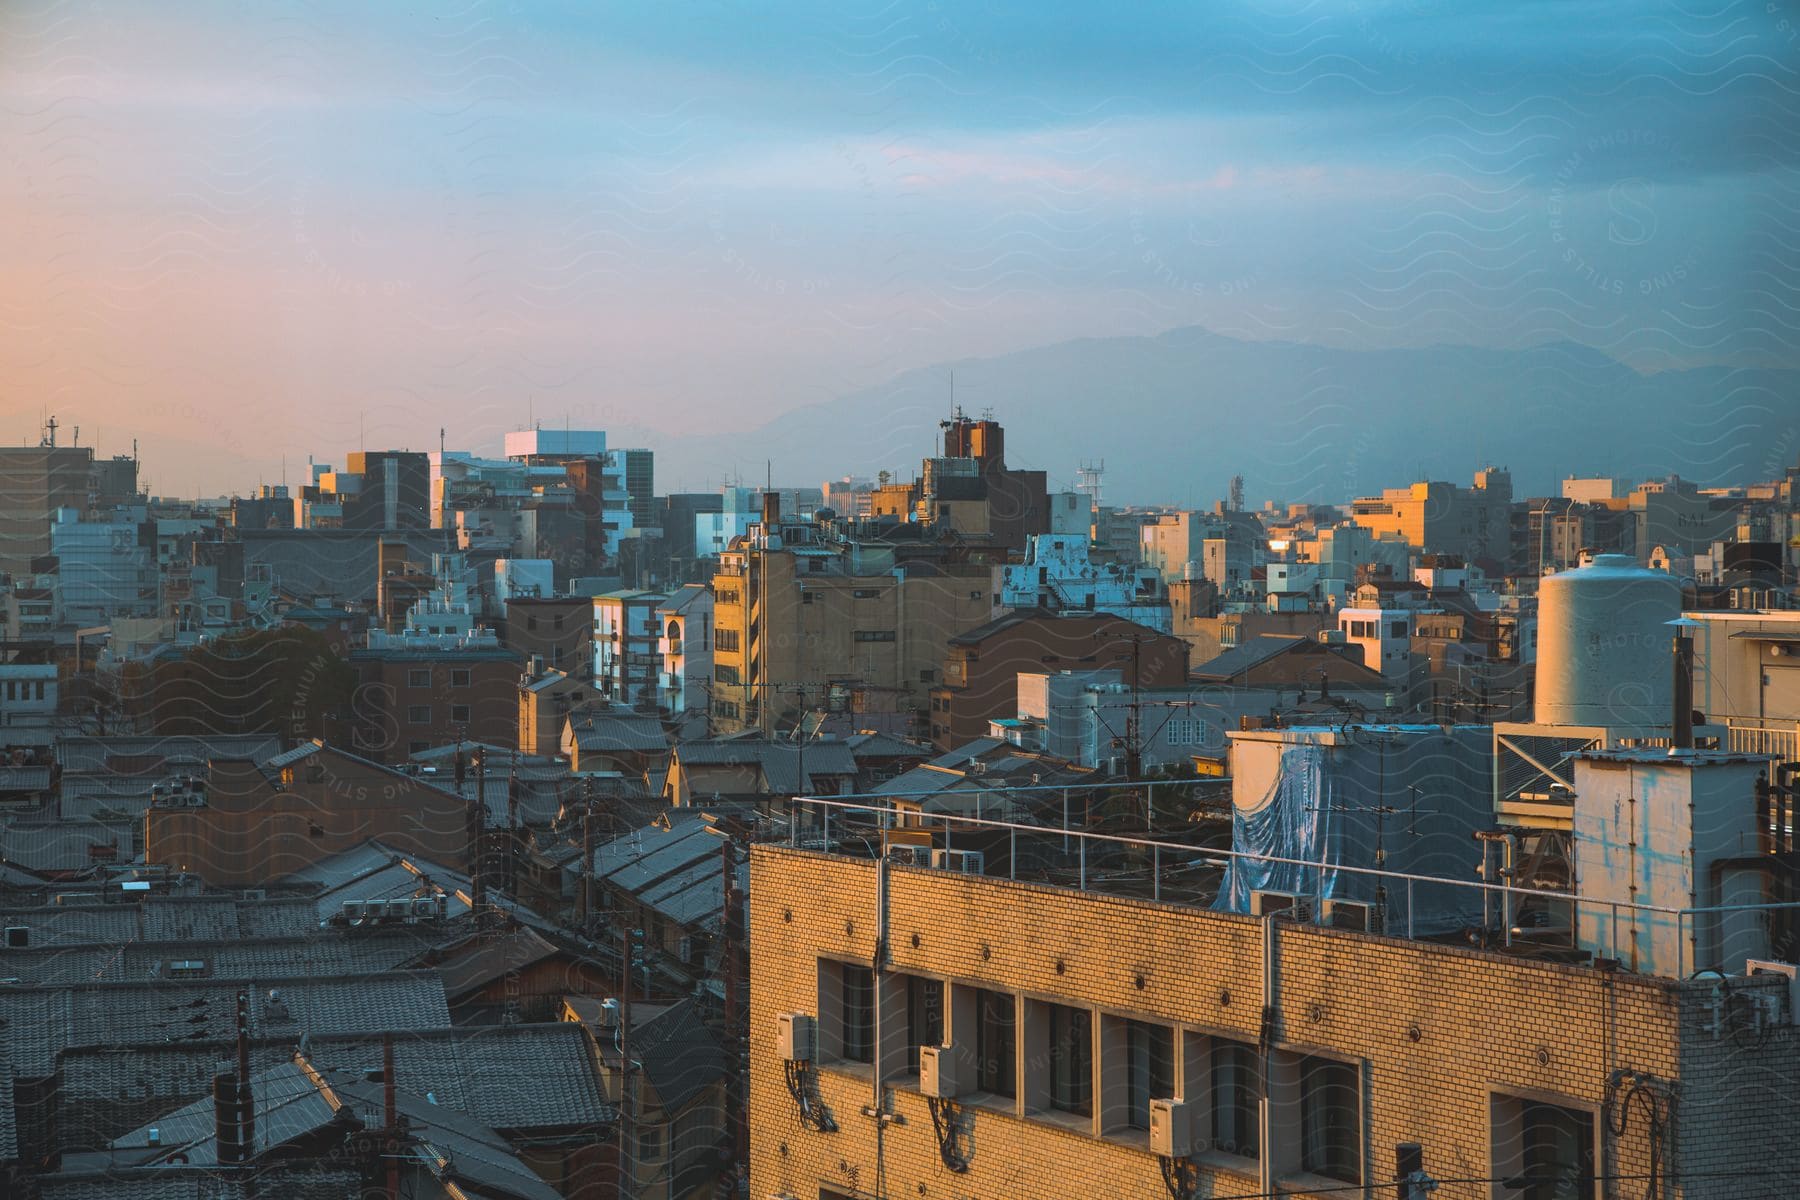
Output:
[[1604, 650]]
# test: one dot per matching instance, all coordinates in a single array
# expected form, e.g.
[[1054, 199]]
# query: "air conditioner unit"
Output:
[[1282, 904], [1763, 966], [426, 908], [940, 1072], [1347, 914], [911, 856], [966, 862], [355, 910], [794, 1038], [609, 1013], [1171, 1128]]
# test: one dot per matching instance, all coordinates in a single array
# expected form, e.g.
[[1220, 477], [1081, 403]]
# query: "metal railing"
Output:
[[1095, 867], [1778, 738]]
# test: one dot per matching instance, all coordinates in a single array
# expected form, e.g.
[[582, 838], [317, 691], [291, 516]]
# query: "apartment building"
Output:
[[1443, 518], [417, 691], [1288, 1057], [846, 619]]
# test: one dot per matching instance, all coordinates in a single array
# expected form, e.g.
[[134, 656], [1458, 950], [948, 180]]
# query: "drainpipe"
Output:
[[1269, 1032]]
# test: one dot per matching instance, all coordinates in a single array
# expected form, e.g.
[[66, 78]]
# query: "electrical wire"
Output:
[[944, 1123]]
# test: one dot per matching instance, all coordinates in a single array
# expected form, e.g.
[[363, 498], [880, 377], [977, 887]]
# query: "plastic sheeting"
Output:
[[1404, 799]]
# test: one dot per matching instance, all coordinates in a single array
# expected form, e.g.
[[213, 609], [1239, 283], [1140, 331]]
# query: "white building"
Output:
[[27, 695], [1059, 575], [104, 569], [1385, 637], [626, 635], [684, 646]]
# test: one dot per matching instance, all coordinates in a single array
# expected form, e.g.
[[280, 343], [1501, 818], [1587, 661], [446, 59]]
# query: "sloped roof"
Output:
[[618, 732], [511, 1077], [480, 961], [1252, 653], [679, 1054], [93, 754], [41, 1022]]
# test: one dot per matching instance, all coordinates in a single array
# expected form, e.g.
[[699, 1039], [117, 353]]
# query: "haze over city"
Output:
[[290, 229]]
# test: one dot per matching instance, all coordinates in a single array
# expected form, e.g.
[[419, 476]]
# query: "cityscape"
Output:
[[1276, 683]]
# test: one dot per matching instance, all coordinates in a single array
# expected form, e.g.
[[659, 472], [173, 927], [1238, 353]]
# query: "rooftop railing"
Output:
[[1532, 921]]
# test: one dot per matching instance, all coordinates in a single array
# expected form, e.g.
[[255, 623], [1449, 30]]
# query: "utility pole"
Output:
[[626, 1169]]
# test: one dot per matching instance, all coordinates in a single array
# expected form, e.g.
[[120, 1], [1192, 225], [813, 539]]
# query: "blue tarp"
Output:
[[1403, 800]]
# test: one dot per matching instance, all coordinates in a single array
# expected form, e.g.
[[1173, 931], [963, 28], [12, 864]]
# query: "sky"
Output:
[[247, 234]]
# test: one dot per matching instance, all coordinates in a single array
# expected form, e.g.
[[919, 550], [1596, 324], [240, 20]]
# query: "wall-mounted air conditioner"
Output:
[[1171, 1128], [910, 856], [940, 1072], [1763, 966], [794, 1037]]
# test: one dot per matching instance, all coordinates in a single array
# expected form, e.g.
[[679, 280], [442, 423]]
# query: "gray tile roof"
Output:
[[619, 732], [208, 919], [680, 1055], [514, 1078], [1242, 657], [64, 846], [85, 754], [289, 1181], [42, 1022]]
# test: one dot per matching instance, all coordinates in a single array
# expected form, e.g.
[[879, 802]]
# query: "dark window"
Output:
[[459, 677], [865, 593], [725, 639], [924, 1016], [419, 677], [925, 674], [996, 1043], [1149, 1069], [459, 712], [1330, 1120], [419, 714], [859, 1014], [1551, 1147], [531, 622], [726, 673], [1235, 1091], [874, 635], [1070, 1045], [807, 597], [1398, 629]]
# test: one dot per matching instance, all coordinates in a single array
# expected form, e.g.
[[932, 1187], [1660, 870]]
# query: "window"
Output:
[[859, 1014], [460, 676], [1552, 1147], [531, 623], [726, 596], [807, 597], [1397, 629], [419, 677], [974, 595], [1149, 1069], [926, 674], [459, 713], [727, 709], [1236, 1089], [996, 1043], [725, 639], [865, 593], [419, 714], [1069, 1046], [1330, 1119], [726, 673], [874, 635], [924, 1017]]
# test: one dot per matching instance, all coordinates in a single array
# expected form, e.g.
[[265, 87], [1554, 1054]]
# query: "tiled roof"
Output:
[[289, 1181], [84, 754], [483, 960], [208, 919], [64, 846], [41, 1022], [680, 1055], [511, 1077], [601, 732], [1241, 658]]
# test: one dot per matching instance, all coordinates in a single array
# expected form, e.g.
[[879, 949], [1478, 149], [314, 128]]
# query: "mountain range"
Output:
[[1174, 416]]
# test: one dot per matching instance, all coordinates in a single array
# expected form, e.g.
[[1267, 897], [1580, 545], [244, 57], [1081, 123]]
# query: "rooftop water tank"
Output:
[[1604, 645]]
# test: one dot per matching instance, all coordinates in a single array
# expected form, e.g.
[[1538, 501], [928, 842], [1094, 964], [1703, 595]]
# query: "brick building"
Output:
[[1069, 1011], [558, 630], [419, 691], [982, 665]]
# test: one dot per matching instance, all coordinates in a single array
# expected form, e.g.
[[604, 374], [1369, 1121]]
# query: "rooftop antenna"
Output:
[[50, 430], [440, 443], [77, 435]]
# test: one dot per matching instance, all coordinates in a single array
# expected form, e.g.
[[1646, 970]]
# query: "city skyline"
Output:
[[304, 231]]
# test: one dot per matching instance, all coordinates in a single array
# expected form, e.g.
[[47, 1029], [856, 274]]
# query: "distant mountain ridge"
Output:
[[1176, 415]]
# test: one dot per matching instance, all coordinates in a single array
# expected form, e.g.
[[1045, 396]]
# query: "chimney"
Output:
[[771, 510]]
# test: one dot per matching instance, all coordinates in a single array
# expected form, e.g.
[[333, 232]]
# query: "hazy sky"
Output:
[[238, 231]]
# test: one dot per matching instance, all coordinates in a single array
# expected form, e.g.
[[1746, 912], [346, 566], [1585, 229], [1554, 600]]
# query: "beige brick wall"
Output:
[[1438, 1028]]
